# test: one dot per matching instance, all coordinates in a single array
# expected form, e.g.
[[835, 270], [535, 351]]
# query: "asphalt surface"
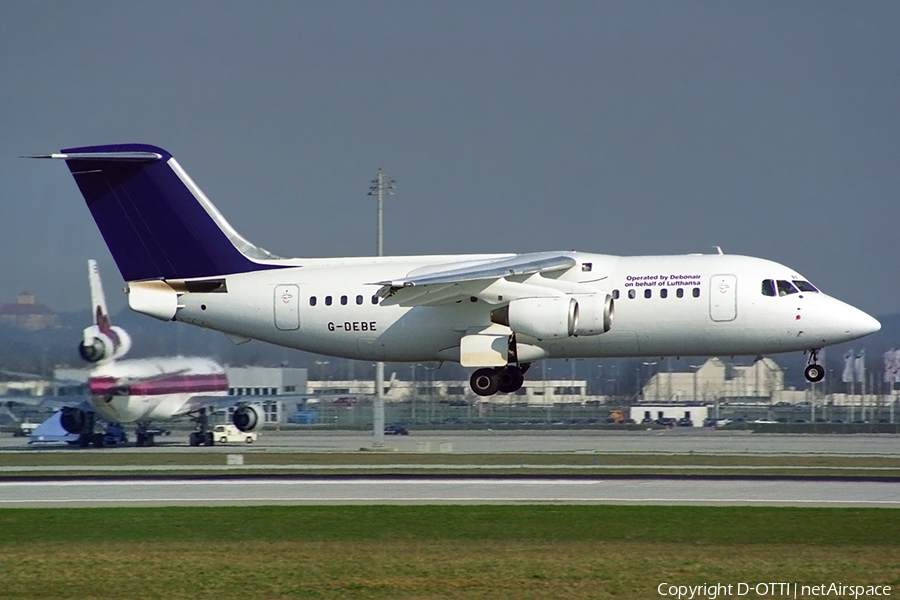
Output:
[[360, 490], [232, 489], [677, 441]]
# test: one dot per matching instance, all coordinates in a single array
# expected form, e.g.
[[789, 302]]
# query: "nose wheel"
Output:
[[814, 371]]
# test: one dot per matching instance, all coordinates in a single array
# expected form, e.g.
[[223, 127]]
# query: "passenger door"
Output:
[[287, 307], [723, 298]]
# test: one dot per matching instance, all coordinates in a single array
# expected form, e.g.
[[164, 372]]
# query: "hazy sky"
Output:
[[767, 128]]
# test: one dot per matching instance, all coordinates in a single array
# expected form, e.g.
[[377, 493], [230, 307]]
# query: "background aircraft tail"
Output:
[[98, 298], [155, 220], [101, 341]]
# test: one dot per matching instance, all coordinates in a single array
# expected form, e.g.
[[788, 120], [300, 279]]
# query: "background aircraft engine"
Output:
[[98, 345], [248, 418], [542, 318], [73, 420], [595, 314]]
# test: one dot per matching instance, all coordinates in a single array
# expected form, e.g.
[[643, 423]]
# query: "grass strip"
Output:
[[682, 524], [430, 552]]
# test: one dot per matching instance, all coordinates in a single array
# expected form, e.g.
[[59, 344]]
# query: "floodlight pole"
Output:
[[381, 185]]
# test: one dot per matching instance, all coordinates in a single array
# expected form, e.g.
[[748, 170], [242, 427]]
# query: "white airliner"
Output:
[[143, 391], [497, 313]]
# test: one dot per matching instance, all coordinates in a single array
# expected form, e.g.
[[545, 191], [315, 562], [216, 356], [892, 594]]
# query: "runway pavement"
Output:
[[677, 441], [237, 490], [359, 490]]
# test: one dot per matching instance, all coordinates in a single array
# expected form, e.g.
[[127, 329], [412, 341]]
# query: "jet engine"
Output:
[[100, 345], [248, 417], [595, 314], [73, 420], [542, 318]]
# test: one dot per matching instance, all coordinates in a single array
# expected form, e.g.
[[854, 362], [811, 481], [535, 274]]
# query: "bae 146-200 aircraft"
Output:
[[143, 391], [496, 313]]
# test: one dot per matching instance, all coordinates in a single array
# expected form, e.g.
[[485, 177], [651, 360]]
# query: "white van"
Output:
[[229, 433]]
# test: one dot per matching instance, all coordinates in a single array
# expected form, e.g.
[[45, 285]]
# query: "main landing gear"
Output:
[[508, 379], [143, 436], [202, 435], [89, 437], [814, 371]]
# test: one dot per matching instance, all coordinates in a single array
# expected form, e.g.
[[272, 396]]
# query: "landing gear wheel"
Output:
[[139, 439], [194, 439], [209, 439], [484, 382], [509, 380], [814, 373]]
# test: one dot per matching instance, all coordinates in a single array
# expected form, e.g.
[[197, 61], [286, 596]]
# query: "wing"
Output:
[[494, 281], [196, 403], [53, 402]]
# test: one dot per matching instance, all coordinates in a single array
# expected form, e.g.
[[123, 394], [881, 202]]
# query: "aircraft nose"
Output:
[[863, 324]]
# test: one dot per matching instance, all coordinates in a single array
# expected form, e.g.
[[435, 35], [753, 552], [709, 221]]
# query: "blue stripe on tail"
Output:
[[151, 221]]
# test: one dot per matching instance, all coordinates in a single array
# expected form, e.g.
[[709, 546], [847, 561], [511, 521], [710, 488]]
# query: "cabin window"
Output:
[[343, 300], [631, 294], [768, 288], [586, 267], [359, 299], [312, 300], [679, 292], [785, 288], [805, 286], [374, 299], [695, 292], [327, 300], [648, 293], [663, 293], [615, 294]]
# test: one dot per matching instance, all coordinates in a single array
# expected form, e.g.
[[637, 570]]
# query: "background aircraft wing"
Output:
[[451, 283], [214, 403], [52, 402]]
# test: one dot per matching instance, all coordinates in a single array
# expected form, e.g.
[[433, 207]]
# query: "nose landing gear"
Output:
[[814, 371]]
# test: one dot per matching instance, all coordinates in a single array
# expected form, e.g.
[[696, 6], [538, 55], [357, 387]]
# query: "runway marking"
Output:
[[425, 467], [473, 499]]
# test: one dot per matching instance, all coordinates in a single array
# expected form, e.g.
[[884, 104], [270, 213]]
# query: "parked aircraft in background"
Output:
[[143, 391], [497, 313]]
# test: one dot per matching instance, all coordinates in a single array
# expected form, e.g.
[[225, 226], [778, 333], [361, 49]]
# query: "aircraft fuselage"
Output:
[[665, 306]]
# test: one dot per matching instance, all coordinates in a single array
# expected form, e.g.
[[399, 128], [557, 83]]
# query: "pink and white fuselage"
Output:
[[154, 389]]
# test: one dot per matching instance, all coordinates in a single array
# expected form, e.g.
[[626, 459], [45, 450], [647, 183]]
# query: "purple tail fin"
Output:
[[154, 219]]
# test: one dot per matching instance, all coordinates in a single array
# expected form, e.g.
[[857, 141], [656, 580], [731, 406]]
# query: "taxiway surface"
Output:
[[361, 490], [676, 441]]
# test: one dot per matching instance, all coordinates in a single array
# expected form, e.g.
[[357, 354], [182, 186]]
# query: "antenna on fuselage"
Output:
[[718, 250]]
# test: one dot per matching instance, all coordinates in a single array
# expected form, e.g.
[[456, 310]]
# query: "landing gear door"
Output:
[[484, 350], [723, 298], [287, 307]]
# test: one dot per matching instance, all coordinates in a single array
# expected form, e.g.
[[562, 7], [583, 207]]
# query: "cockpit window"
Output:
[[785, 288], [805, 286], [768, 287]]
